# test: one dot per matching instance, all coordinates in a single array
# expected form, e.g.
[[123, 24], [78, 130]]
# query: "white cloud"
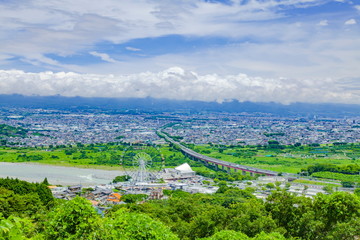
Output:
[[176, 83], [350, 22], [357, 7], [294, 47], [105, 57], [65, 27], [322, 55], [133, 49], [323, 23]]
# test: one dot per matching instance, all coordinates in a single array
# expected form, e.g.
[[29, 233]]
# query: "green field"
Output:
[[101, 156], [337, 176], [289, 159], [302, 181]]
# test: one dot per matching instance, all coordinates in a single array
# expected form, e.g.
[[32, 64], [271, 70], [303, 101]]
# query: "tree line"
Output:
[[353, 169], [230, 213]]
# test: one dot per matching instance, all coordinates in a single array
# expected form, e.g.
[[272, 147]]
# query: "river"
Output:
[[57, 175]]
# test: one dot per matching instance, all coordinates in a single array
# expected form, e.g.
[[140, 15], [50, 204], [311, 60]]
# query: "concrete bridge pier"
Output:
[[252, 174], [235, 170], [244, 173], [228, 169]]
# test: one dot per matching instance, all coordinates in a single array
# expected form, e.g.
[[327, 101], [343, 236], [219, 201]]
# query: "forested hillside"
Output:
[[28, 211]]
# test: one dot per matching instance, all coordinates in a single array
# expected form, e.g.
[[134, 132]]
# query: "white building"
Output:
[[183, 171]]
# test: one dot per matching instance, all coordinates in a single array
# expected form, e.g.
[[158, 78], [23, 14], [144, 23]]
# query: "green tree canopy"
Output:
[[124, 225], [75, 219]]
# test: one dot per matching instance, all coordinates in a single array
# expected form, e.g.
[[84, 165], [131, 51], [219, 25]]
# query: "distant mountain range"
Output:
[[134, 105]]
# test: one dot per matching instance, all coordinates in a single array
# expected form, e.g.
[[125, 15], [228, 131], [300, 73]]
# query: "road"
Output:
[[217, 162]]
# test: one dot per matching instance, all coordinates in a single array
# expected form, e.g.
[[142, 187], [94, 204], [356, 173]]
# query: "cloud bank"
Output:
[[261, 37], [300, 56], [176, 83]]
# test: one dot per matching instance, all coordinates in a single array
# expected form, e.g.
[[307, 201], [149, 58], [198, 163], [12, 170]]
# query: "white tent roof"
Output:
[[184, 168]]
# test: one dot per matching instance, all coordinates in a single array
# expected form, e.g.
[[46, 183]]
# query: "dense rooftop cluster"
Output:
[[50, 127], [253, 130]]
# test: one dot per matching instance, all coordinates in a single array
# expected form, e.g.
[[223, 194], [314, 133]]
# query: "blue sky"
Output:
[[274, 48]]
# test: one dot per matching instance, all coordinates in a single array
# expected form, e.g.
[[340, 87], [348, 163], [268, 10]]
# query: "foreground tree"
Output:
[[75, 219], [15, 228], [124, 225], [339, 207], [228, 234], [331, 216]]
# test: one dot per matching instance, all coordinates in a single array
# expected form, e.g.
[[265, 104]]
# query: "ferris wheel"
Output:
[[142, 163]]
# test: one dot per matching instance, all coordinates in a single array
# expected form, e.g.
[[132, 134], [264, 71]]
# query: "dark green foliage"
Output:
[[70, 151], [313, 219], [231, 234], [104, 159], [10, 131], [269, 236], [19, 205], [20, 187], [193, 216], [222, 187], [28, 158], [45, 182], [274, 134], [336, 207], [347, 184], [178, 193], [270, 185], [124, 225], [287, 209], [314, 145], [231, 213], [177, 138], [345, 230], [122, 178], [221, 175], [15, 228], [133, 198], [20, 198], [227, 234], [357, 192], [75, 219], [347, 169], [24, 199]]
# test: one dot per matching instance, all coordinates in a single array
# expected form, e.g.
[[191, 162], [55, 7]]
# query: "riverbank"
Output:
[[58, 175]]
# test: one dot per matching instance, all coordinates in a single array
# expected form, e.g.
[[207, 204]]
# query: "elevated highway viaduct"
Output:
[[217, 163]]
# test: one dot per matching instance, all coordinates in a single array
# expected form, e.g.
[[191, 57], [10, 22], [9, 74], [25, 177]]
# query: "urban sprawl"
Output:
[[64, 127]]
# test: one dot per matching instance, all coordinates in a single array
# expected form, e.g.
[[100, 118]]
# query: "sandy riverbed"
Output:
[[57, 175]]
